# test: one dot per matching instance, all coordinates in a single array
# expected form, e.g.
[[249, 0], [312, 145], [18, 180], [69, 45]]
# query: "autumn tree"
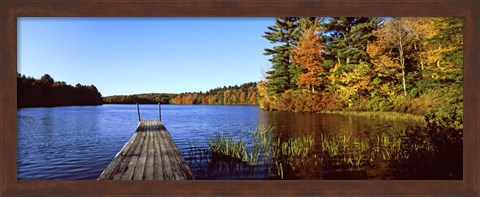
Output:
[[354, 83], [422, 30], [296, 69], [308, 54], [393, 44], [431, 38]]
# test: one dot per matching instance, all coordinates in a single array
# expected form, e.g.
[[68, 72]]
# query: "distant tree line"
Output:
[[245, 94], [152, 98], [46, 92]]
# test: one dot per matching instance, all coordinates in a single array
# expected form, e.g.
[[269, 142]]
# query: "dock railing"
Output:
[[159, 112]]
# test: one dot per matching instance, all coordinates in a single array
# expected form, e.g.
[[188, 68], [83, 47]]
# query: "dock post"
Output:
[[159, 112], [138, 111]]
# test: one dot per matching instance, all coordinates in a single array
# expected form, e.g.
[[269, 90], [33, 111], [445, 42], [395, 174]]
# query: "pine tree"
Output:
[[285, 32], [345, 41], [346, 38]]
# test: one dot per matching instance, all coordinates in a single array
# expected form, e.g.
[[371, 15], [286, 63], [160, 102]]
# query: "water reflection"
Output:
[[369, 149], [294, 124]]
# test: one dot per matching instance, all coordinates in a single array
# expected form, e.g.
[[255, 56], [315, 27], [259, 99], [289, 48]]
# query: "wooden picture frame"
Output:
[[10, 10]]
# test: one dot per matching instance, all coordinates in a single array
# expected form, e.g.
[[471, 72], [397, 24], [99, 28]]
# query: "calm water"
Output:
[[73, 143]]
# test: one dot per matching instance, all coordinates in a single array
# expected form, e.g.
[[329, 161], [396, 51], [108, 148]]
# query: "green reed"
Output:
[[357, 151], [266, 147], [384, 116], [297, 146], [228, 146]]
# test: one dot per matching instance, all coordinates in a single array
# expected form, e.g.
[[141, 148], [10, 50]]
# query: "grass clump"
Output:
[[228, 146], [396, 116], [357, 151], [264, 148], [297, 146]]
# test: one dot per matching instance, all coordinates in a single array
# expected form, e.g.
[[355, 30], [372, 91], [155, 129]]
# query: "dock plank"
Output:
[[158, 172], [118, 159], [142, 158], [150, 154], [124, 158], [128, 173], [167, 167], [179, 160], [150, 158], [116, 166], [172, 157]]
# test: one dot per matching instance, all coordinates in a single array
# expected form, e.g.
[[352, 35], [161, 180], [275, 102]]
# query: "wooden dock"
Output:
[[150, 154]]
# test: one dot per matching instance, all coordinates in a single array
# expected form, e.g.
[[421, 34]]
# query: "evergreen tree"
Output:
[[285, 33], [346, 38]]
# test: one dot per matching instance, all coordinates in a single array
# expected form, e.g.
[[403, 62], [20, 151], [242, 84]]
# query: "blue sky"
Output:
[[143, 55]]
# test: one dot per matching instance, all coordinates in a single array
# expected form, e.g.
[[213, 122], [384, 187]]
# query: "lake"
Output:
[[78, 142]]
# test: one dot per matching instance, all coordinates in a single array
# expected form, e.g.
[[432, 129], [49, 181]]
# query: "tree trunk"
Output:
[[313, 86], [403, 81], [402, 61], [438, 61], [419, 51]]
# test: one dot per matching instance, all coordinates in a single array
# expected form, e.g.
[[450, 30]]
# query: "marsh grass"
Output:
[[340, 149], [297, 147], [228, 146], [263, 149], [357, 151], [396, 116], [280, 156]]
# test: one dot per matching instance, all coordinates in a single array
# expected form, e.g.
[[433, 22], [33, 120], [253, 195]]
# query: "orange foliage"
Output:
[[308, 55], [245, 94]]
